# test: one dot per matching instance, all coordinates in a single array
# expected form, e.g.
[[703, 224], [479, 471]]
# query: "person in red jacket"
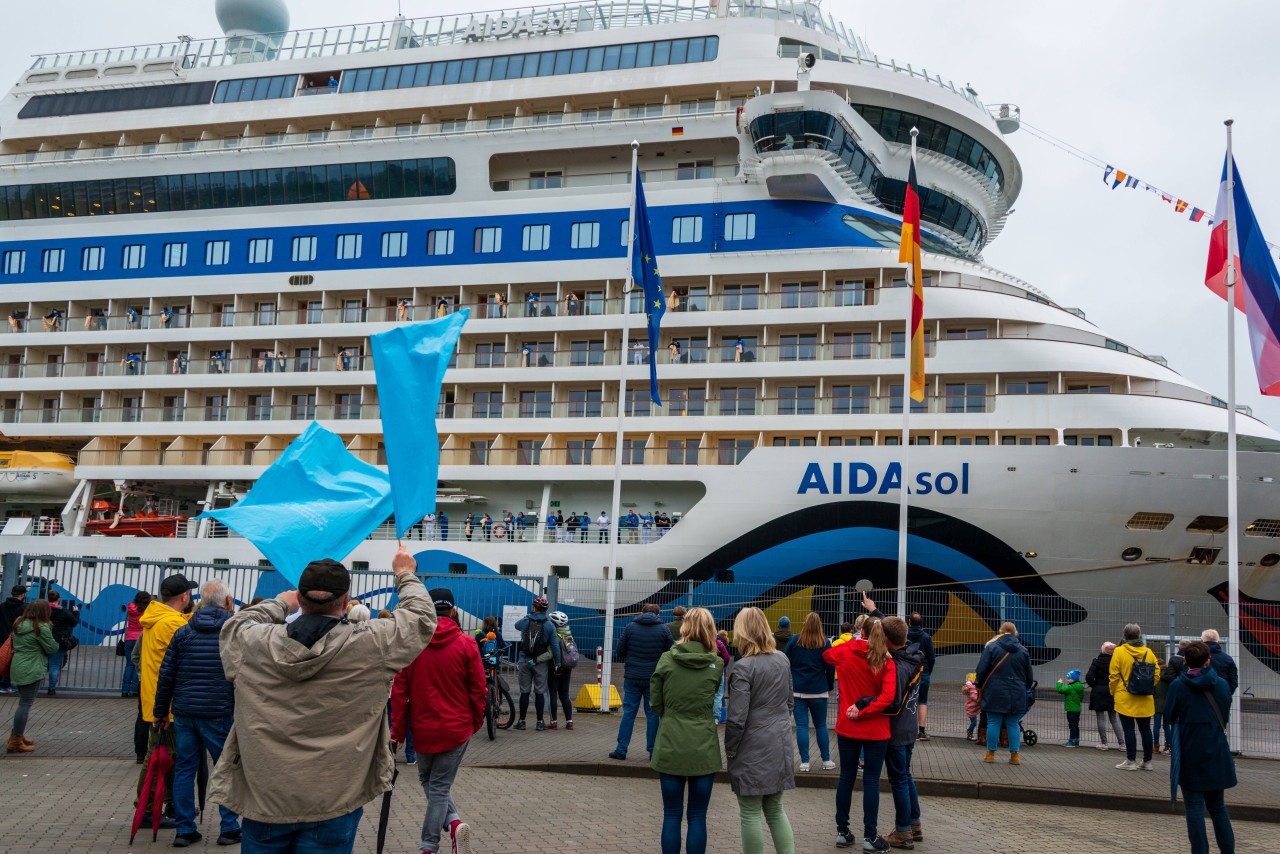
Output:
[[440, 698], [867, 680]]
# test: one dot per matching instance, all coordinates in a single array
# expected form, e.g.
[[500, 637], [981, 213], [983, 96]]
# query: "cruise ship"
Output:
[[200, 237]]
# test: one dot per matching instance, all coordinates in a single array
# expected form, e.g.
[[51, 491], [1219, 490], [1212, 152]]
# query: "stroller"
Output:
[[1029, 737]]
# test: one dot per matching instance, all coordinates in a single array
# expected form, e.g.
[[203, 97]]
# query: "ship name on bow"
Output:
[[522, 25], [865, 479]]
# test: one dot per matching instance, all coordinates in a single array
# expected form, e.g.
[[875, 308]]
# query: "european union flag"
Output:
[[316, 501], [644, 272], [409, 363]]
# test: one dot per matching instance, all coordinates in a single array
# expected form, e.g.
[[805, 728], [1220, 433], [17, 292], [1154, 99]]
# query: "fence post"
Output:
[[840, 612], [1003, 618], [1173, 629], [553, 592], [12, 571]]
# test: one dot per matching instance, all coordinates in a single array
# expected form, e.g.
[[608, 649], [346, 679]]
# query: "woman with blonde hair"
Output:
[[757, 738], [812, 679], [686, 751], [1004, 677], [867, 680]]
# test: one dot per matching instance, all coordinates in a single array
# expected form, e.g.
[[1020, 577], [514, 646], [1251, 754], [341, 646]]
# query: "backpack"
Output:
[[1142, 679], [535, 642], [568, 652], [908, 668]]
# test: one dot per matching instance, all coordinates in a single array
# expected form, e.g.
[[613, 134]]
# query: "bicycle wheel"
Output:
[[505, 710], [490, 719]]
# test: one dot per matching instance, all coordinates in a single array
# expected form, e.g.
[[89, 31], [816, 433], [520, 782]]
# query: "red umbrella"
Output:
[[158, 765]]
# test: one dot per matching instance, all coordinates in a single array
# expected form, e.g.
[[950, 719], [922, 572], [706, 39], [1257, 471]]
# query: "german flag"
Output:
[[909, 253]]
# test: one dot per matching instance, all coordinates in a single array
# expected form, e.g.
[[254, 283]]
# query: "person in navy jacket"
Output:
[[193, 686]]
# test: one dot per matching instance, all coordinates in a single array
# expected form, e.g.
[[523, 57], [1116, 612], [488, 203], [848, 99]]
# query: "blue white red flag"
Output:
[[1257, 291]]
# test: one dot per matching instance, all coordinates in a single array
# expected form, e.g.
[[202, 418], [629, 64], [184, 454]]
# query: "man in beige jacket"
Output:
[[310, 744]]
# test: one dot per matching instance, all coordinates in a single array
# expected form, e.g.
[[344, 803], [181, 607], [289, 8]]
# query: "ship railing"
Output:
[[610, 179]]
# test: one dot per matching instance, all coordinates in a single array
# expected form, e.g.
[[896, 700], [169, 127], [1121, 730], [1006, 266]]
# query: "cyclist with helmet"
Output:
[[558, 679], [537, 636]]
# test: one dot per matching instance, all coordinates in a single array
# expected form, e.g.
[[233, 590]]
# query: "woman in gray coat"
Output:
[[757, 737]]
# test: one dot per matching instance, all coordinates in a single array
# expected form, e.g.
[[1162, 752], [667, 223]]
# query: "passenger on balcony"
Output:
[[571, 304], [404, 310], [739, 349], [442, 307], [218, 362], [531, 305], [429, 526], [131, 363], [166, 317], [499, 305], [16, 320], [646, 528], [344, 359], [333, 83], [53, 321], [526, 356], [674, 349], [442, 519], [788, 143], [132, 318], [638, 353]]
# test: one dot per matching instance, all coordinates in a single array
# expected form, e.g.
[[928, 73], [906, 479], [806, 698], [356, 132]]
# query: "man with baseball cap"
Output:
[[440, 698], [309, 746]]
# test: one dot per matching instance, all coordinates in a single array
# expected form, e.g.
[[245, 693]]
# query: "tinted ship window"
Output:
[[116, 100]]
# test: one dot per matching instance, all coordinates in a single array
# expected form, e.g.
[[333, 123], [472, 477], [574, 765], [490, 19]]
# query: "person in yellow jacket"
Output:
[[160, 621], [1133, 709]]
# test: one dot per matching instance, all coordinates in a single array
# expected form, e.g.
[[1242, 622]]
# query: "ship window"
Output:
[[740, 226], [1208, 525], [175, 254], [536, 238], [133, 257], [260, 250], [1263, 528], [738, 401], [92, 258], [797, 400], [584, 235], [1026, 387], [686, 229], [578, 451], [488, 240], [349, 246], [895, 401], [1085, 388], [440, 241], [118, 100], [395, 244], [850, 399], [546, 179], [52, 260], [626, 231], [693, 169], [895, 126], [217, 253], [15, 262], [304, 249], [966, 397], [1143, 521]]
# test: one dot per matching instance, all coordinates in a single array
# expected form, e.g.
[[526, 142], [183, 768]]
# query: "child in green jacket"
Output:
[[1072, 691]]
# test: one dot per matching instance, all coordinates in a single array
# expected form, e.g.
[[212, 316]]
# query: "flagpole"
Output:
[[906, 432], [1233, 523], [611, 585]]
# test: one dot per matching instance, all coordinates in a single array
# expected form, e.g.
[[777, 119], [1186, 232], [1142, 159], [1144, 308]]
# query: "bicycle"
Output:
[[499, 708]]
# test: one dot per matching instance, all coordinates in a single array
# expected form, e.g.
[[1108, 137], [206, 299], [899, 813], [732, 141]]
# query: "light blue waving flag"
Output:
[[409, 363], [316, 501]]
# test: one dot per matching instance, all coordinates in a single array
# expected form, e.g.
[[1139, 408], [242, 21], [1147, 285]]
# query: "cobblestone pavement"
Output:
[[71, 727], [82, 805]]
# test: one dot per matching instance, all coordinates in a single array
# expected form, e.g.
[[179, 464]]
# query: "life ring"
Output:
[[500, 530]]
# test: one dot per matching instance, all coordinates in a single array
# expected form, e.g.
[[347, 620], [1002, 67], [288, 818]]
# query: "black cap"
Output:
[[176, 585], [324, 576], [442, 598]]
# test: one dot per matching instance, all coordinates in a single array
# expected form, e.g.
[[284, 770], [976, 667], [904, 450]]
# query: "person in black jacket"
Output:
[[1004, 675], [10, 610], [1222, 663], [65, 621], [641, 645], [1199, 707], [1171, 670], [1101, 702], [917, 635], [193, 685]]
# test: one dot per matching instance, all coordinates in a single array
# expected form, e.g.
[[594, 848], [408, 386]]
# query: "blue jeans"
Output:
[[717, 704], [1159, 726], [906, 803], [129, 681], [55, 668], [195, 736], [633, 692], [1222, 833], [815, 707], [673, 810], [1143, 726], [873, 755], [334, 836], [995, 722]]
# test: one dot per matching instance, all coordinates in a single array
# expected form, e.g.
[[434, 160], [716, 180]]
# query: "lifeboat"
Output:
[[36, 476], [110, 523]]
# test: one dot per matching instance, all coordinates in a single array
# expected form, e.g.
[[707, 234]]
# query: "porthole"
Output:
[[1131, 554], [1269, 560], [301, 281]]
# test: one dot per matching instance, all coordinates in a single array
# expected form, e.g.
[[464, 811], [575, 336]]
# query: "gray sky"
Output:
[[1137, 83]]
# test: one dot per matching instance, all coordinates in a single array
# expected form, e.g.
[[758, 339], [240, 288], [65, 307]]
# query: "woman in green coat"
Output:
[[33, 643], [687, 749]]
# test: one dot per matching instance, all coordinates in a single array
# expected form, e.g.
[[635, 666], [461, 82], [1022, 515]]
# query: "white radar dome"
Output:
[[252, 17]]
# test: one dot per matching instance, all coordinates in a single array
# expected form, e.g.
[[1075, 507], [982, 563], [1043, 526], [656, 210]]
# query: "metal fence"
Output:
[[1062, 632]]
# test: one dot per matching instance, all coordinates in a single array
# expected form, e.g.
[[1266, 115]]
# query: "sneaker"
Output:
[[52, 692], [875, 846], [843, 839], [519, 725], [922, 736], [1168, 749], [412, 760], [183, 840], [1128, 765], [568, 725], [1070, 742], [828, 765], [917, 832], [901, 839], [460, 835], [229, 837], [1102, 746], [541, 727], [1147, 766], [617, 755], [553, 725], [804, 766]]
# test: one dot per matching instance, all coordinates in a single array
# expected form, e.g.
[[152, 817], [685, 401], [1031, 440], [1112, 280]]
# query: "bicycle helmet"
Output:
[[540, 604], [559, 619]]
